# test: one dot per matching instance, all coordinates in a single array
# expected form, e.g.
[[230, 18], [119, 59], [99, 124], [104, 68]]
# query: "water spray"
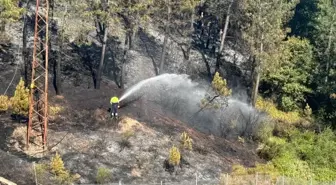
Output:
[[180, 96]]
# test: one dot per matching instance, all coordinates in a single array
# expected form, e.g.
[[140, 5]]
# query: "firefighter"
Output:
[[115, 105]]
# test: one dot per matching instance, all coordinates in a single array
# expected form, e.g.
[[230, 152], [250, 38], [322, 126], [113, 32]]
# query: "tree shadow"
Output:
[[150, 46], [91, 54], [114, 56]]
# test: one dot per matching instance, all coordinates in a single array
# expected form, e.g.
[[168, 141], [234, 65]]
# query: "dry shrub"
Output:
[[100, 115], [19, 132]]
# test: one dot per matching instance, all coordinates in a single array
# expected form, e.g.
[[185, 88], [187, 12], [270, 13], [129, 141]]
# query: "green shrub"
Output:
[[307, 110], [239, 170], [303, 155], [57, 168], [273, 147], [290, 165], [266, 169], [288, 104], [4, 103], [264, 131], [55, 110], [19, 102], [174, 156], [186, 141], [270, 108], [103, 175], [57, 165]]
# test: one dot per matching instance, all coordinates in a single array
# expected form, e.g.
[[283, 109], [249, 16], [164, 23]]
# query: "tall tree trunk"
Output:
[[327, 51], [223, 36], [165, 40], [57, 67], [57, 61], [123, 67], [190, 34], [25, 52], [187, 55], [102, 58], [130, 38], [209, 26], [256, 86], [257, 77]]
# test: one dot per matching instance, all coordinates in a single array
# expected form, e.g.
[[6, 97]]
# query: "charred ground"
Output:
[[86, 139]]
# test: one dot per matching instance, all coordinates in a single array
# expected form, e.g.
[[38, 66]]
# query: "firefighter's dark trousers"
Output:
[[114, 110]]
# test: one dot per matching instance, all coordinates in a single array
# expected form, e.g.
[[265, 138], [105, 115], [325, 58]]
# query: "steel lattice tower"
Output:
[[38, 98]]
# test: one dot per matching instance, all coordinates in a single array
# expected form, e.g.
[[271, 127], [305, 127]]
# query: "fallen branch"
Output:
[[6, 182]]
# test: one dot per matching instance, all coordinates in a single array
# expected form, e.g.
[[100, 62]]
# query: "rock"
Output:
[[76, 176], [135, 172]]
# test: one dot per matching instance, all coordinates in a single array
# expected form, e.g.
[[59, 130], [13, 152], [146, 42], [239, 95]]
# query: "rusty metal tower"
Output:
[[38, 105]]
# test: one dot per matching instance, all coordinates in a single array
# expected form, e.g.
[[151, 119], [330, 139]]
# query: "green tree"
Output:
[[9, 12], [325, 37], [324, 40], [263, 32], [292, 79], [303, 22]]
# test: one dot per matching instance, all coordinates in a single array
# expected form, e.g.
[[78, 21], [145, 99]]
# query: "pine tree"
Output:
[[174, 156], [324, 40], [9, 11], [263, 32], [57, 165], [220, 85], [221, 90], [292, 78], [19, 102]]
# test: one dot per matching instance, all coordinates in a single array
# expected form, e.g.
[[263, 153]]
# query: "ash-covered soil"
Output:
[[134, 149]]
